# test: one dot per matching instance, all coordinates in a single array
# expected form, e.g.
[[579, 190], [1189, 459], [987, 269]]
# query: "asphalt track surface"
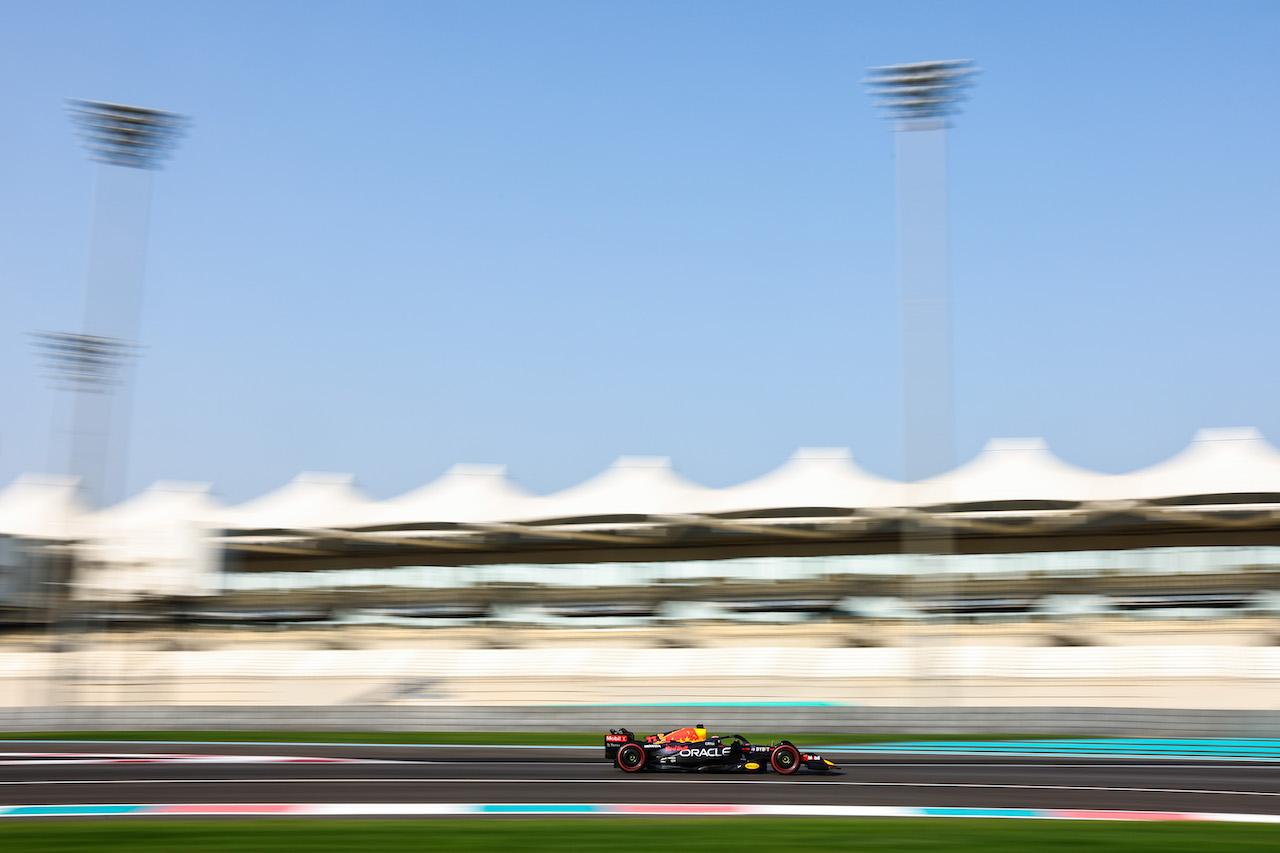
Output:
[[133, 773]]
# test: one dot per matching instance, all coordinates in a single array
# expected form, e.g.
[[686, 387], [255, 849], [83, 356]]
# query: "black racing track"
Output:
[[469, 774]]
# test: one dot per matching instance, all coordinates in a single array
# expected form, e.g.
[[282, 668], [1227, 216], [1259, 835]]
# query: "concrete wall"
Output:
[[1168, 677], [1128, 722]]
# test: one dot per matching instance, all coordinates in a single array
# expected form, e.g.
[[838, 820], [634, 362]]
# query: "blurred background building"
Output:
[[1064, 587]]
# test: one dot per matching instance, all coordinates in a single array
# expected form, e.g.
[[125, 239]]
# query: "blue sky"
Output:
[[403, 235]]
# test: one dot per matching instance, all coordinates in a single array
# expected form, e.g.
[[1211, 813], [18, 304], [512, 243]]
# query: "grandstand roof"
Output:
[[1218, 462], [1014, 487], [309, 500], [633, 485], [41, 506], [465, 492], [814, 477], [1011, 469], [163, 502]]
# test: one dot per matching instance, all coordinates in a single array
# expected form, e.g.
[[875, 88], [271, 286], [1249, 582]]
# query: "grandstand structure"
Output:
[[1025, 535], [1052, 587]]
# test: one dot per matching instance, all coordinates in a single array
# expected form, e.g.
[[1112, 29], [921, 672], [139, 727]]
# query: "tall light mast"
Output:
[[920, 97], [92, 363]]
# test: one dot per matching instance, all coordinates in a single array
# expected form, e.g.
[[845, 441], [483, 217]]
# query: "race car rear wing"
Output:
[[614, 740]]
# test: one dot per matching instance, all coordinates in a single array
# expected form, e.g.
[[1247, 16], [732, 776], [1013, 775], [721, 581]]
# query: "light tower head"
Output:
[[79, 362], [137, 137], [922, 93]]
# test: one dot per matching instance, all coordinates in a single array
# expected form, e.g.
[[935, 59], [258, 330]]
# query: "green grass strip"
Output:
[[740, 835]]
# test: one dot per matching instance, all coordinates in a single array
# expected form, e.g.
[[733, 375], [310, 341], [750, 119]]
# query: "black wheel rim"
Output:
[[785, 758], [631, 757]]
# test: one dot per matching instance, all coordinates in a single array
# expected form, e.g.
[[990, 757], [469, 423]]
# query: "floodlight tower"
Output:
[[920, 97], [92, 364]]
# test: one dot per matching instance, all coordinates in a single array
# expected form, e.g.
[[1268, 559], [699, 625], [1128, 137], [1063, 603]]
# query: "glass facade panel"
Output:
[[1144, 561]]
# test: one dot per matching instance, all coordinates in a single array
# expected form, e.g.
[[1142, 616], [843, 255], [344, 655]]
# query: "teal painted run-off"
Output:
[[538, 808], [1264, 749], [945, 812], [68, 811]]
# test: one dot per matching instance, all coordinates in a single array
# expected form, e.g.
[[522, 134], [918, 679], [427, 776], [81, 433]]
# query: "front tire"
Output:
[[785, 759], [632, 758]]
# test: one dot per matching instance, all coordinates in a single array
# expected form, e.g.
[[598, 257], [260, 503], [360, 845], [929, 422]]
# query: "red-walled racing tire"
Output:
[[785, 759], [632, 758]]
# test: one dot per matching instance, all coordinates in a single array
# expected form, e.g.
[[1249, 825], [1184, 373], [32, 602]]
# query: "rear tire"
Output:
[[632, 758], [785, 759]]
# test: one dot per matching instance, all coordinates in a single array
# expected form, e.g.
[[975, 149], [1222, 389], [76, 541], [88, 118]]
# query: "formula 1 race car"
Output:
[[692, 749]]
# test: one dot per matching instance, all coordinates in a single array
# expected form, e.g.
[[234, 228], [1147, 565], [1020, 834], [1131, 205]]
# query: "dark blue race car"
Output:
[[691, 748]]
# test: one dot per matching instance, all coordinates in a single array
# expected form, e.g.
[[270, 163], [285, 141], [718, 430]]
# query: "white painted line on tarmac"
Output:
[[630, 781], [83, 760], [602, 809], [328, 743], [1054, 765]]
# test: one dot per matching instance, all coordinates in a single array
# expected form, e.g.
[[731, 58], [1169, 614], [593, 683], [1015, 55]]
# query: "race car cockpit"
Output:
[[689, 734]]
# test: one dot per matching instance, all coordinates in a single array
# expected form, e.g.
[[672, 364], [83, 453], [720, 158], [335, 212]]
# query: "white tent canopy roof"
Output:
[[633, 485], [1217, 462], [162, 503], [310, 500], [814, 477], [1012, 469], [464, 493], [43, 506]]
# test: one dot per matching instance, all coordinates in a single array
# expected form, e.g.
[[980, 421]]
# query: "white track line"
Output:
[[202, 759], [420, 762], [641, 781], [854, 765]]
